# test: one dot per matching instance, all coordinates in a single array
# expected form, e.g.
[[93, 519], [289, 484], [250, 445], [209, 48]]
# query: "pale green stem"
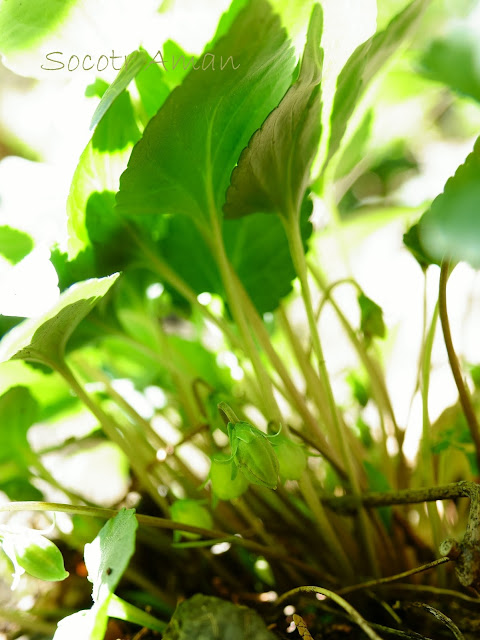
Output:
[[114, 432], [234, 300], [297, 399], [163, 270], [154, 263], [122, 610], [144, 427], [399, 576], [298, 258], [329, 537], [312, 380], [353, 613], [229, 413], [377, 380], [463, 393], [255, 522], [426, 448], [246, 343], [183, 386]]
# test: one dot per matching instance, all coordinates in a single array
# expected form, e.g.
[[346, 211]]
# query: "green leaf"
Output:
[[109, 246], [411, 239], [371, 321], [14, 244], [359, 387], [34, 554], [256, 245], [355, 150], [188, 150], [158, 78], [96, 89], [364, 63], [106, 559], [197, 362], [18, 411], [133, 64], [99, 241], [98, 172], [450, 229], [364, 433], [8, 322], [209, 618], [108, 555], [43, 339], [475, 373], [273, 171], [19, 489], [258, 249], [25, 23], [453, 61], [152, 87]]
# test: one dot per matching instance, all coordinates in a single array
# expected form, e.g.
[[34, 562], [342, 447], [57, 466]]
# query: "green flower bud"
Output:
[[292, 459], [192, 513], [226, 485], [32, 553], [253, 454]]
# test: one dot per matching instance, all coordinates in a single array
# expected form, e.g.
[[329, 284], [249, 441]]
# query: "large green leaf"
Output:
[[256, 246], [189, 149], [273, 171], [364, 63], [43, 339], [450, 229]]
